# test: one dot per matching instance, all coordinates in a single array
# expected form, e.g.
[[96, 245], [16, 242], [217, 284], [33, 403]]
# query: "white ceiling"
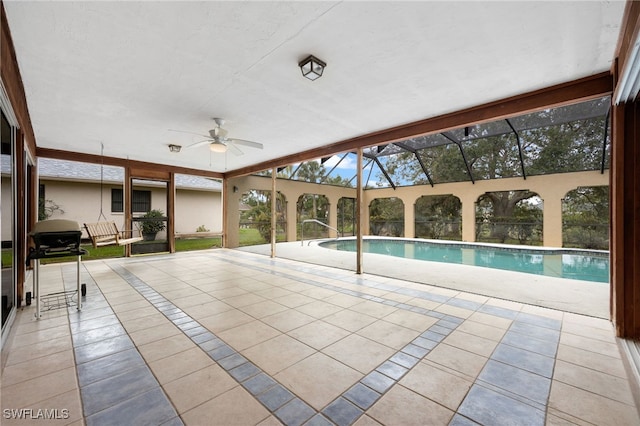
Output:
[[123, 73]]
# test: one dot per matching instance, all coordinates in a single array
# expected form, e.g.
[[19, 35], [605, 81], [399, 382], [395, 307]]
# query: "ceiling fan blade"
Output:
[[197, 144], [250, 144], [190, 133], [232, 146]]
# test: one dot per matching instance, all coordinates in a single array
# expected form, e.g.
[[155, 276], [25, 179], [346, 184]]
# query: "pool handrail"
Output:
[[316, 221]]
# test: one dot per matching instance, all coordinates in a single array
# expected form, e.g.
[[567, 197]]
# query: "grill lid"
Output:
[[54, 226]]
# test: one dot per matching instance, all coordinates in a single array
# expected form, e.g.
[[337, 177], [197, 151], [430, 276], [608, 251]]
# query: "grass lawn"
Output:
[[247, 237], [107, 252]]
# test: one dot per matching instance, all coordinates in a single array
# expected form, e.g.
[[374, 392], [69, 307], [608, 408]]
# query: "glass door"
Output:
[[7, 215]]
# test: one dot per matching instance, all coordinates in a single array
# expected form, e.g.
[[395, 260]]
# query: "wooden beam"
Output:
[[562, 94], [171, 212], [12, 81], [151, 174], [629, 28], [127, 191], [625, 220], [122, 162]]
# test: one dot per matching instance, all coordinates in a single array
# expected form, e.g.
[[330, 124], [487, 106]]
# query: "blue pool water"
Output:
[[579, 265]]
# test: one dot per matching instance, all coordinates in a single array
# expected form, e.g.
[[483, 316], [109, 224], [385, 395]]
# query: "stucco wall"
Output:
[[195, 208], [551, 188], [81, 203]]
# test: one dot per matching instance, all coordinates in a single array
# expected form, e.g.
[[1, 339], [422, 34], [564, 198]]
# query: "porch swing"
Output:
[[106, 233]]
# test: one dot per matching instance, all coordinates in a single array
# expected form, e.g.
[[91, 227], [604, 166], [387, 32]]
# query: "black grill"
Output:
[[55, 238]]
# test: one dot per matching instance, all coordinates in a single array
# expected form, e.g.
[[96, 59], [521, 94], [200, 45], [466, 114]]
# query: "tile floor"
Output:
[[226, 337]]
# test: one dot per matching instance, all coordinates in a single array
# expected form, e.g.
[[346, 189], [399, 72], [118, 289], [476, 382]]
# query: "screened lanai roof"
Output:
[[564, 139]]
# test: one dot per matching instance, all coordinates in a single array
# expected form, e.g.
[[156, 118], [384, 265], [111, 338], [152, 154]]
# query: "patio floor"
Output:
[[229, 337]]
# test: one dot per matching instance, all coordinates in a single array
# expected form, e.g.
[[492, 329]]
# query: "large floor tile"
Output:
[[389, 334], [29, 392], [471, 343], [359, 352], [402, 406], [17, 373], [318, 379], [437, 384], [198, 387], [318, 334], [589, 359], [179, 365], [236, 407], [457, 359], [287, 320], [591, 408], [603, 384], [248, 334], [225, 320], [166, 347], [277, 354], [350, 320], [486, 406]]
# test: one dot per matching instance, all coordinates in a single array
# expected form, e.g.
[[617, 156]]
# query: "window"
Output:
[[140, 201], [117, 201]]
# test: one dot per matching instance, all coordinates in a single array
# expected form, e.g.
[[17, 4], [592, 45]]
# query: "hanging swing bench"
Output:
[[106, 233]]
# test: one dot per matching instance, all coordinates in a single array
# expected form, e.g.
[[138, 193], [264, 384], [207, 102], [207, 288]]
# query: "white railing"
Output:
[[316, 221]]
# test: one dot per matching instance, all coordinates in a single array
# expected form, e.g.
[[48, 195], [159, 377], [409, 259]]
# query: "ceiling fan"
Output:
[[218, 140]]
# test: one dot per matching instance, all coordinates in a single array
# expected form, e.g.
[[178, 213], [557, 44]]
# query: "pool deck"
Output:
[[226, 337], [581, 297]]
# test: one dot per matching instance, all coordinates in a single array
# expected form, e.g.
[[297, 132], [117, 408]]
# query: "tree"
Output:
[[46, 208], [438, 216], [386, 217], [565, 147], [585, 218], [259, 213]]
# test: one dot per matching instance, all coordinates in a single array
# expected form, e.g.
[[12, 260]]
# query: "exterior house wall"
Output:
[[196, 208], [80, 202]]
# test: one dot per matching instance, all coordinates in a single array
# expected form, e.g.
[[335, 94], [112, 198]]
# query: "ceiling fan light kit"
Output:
[[218, 141], [312, 67], [217, 146]]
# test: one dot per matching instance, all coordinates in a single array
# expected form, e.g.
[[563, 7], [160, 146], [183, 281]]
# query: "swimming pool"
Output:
[[574, 264]]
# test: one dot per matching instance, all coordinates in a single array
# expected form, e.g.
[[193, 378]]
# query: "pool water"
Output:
[[578, 265]]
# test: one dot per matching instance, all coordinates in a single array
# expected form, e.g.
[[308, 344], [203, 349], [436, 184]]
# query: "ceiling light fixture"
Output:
[[217, 146], [312, 67], [174, 148]]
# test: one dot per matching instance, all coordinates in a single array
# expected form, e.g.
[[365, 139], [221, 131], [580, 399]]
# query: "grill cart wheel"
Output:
[[27, 298], [83, 290]]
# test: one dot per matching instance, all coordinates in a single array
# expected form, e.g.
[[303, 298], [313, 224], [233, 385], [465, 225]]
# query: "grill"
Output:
[[55, 238]]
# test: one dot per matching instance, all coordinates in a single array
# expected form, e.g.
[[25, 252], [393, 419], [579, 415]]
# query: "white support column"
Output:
[[274, 196], [409, 218], [552, 221], [333, 217], [292, 218], [468, 218], [359, 214]]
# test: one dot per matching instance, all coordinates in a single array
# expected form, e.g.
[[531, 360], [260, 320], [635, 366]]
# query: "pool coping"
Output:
[[569, 295], [532, 250]]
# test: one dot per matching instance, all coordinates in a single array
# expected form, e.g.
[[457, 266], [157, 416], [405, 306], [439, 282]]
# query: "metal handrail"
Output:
[[316, 221]]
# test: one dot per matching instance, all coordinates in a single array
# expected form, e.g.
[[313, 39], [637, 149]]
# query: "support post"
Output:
[[409, 218], [552, 221], [468, 218], [274, 222], [359, 214]]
